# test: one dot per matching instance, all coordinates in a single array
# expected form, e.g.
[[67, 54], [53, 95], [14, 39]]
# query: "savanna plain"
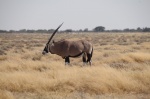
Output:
[[120, 67]]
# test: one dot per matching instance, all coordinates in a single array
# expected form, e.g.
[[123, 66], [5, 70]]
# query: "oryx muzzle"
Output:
[[66, 48]]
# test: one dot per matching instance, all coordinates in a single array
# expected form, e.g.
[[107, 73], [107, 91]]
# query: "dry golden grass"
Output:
[[121, 68]]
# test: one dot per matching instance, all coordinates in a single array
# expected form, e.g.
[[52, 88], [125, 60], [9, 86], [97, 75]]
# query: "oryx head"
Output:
[[46, 49]]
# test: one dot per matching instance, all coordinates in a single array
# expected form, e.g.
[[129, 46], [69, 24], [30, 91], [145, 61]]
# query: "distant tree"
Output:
[[22, 31], [139, 29], [126, 30], [41, 31], [69, 30], [86, 30], [12, 31], [50, 30], [3, 31], [80, 30], [30, 31], [115, 30], [99, 29], [146, 29], [132, 30]]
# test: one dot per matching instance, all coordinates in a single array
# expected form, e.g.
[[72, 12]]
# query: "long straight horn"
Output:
[[54, 33]]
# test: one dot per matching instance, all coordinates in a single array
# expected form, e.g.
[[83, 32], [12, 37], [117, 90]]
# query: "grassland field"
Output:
[[120, 67]]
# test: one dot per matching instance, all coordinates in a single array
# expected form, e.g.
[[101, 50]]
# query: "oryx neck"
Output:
[[49, 48]]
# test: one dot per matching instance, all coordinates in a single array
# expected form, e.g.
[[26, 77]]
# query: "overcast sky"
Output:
[[76, 14]]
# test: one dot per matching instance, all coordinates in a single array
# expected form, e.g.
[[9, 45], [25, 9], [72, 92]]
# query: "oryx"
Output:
[[66, 48]]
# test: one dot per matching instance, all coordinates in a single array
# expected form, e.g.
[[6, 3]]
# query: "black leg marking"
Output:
[[89, 56], [67, 60]]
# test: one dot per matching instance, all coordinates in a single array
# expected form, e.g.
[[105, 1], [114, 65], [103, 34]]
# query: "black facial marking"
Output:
[[45, 50]]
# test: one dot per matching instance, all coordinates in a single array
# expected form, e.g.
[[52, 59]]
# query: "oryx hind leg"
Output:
[[84, 58], [89, 56]]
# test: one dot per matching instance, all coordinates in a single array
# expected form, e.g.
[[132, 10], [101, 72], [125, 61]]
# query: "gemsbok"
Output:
[[66, 48]]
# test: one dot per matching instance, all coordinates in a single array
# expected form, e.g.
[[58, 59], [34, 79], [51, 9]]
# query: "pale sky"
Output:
[[76, 14]]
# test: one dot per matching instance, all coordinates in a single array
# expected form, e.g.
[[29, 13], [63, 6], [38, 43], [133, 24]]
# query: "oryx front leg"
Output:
[[67, 61]]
